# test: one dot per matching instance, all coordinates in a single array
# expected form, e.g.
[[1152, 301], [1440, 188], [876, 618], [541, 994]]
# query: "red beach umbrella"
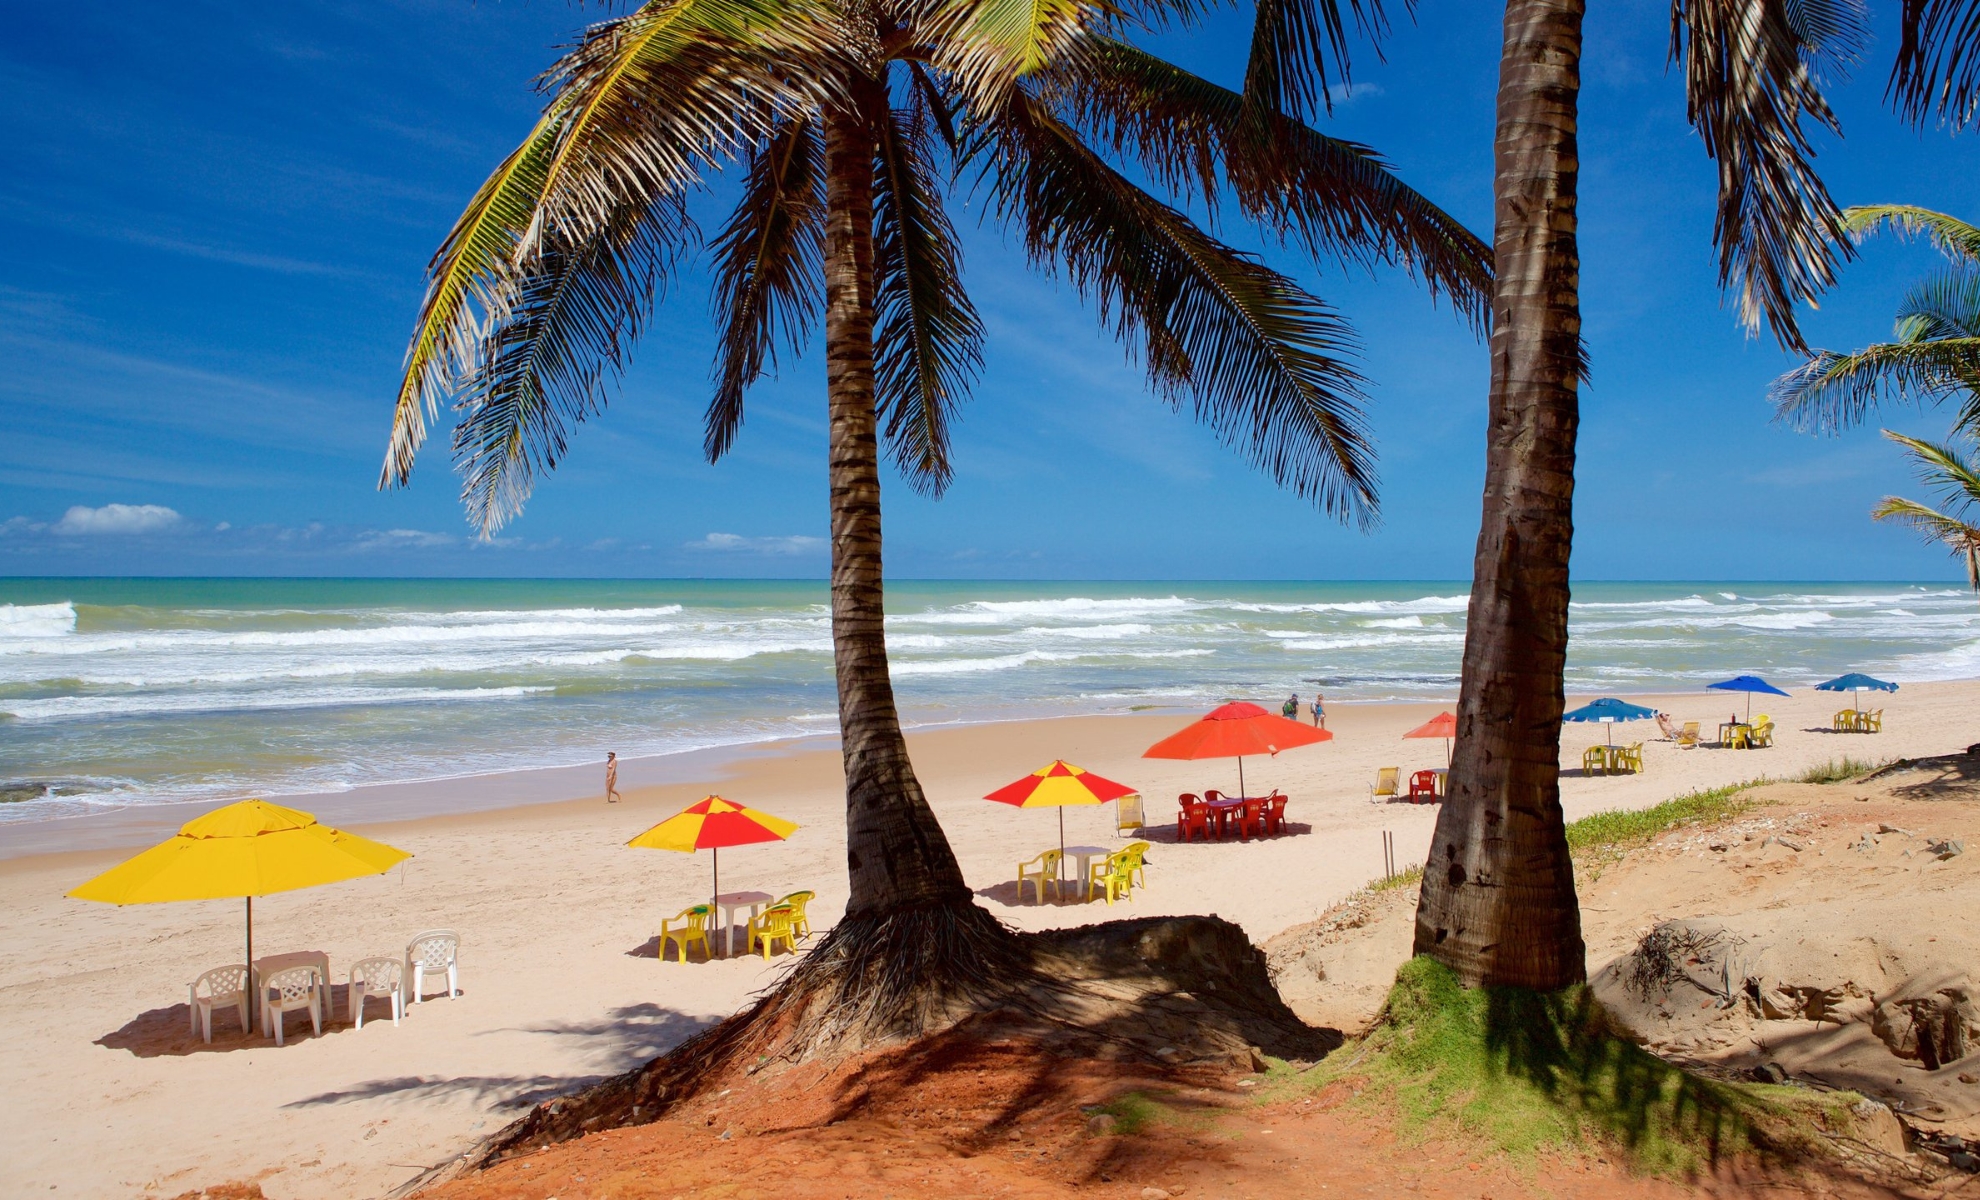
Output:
[[1443, 725], [1234, 731], [710, 824]]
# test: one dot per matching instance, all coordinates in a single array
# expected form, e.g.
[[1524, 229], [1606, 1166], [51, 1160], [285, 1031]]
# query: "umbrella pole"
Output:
[[1062, 850], [1240, 776], [715, 895], [252, 985]]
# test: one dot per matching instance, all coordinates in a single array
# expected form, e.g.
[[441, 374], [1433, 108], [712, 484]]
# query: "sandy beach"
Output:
[[557, 919]]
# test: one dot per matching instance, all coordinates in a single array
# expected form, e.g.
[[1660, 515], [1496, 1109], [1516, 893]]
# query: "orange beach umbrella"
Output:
[[1060, 785], [710, 824], [1443, 725], [1233, 731]]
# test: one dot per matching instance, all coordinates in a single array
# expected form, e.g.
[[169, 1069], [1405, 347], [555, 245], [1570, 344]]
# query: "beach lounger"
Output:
[[288, 990], [1127, 814], [1688, 737], [226, 987], [1384, 787], [437, 951], [375, 977], [1038, 872], [686, 928]]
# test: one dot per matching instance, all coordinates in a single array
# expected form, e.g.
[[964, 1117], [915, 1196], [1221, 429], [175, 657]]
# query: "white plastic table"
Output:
[[727, 903], [1085, 855]]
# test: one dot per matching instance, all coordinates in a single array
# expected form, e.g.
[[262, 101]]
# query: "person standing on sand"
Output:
[[611, 777], [1319, 712], [1290, 709]]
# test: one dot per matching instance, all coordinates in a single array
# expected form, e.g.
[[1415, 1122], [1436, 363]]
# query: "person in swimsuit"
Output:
[[611, 777], [1319, 712]]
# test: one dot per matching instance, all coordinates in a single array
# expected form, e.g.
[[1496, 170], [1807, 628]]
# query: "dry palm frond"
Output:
[[1938, 62]]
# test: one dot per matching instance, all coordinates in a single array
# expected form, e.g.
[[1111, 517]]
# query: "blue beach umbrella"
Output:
[[1608, 710], [1853, 683], [1748, 684]]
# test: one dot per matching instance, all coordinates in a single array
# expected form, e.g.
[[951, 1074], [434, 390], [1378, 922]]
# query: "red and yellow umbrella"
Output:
[[1443, 725], [1060, 785], [1234, 731], [710, 824]]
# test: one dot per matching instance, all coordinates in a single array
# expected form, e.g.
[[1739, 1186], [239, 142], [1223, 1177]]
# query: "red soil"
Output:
[[964, 1118]]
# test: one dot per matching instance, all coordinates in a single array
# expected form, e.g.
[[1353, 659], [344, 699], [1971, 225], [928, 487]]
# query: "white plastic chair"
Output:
[[435, 950], [287, 990], [376, 977], [226, 987]]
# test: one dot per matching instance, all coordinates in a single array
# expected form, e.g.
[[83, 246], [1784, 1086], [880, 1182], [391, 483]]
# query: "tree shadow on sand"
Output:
[[623, 1038]]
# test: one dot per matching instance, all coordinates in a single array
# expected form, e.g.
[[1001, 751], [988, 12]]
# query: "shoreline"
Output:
[[495, 792]]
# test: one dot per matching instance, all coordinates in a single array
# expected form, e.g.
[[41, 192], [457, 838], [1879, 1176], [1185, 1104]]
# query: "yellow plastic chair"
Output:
[[690, 926], [1385, 786], [1871, 722], [1595, 761], [1128, 815], [796, 901], [1762, 735], [1844, 720], [776, 923], [1134, 852], [1117, 879], [1038, 872], [1631, 758]]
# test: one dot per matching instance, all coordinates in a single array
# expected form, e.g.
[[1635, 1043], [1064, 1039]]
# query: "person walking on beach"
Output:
[[611, 777], [1290, 709], [1319, 712]]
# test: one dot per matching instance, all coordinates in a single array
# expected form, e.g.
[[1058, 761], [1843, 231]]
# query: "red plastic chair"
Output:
[[1275, 813], [1251, 818], [1193, 817], [1422, 787]]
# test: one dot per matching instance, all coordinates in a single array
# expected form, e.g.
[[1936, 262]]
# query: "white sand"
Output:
[[106, 1095]]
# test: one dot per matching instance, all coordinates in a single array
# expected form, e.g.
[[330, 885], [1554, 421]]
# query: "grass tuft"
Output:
[[1527, 1071], [1840, 772], [1403, 879], [1599, 839], [1132, 1112]]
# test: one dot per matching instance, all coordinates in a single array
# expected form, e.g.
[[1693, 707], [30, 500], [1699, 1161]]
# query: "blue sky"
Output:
[[218, 217]]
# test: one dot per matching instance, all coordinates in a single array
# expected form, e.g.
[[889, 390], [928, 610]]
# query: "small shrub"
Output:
[[1838, 772]]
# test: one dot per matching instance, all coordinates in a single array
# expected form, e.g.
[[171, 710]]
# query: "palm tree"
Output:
[[1498, 903], [840, 115], [1956, 475], [1934, 354]]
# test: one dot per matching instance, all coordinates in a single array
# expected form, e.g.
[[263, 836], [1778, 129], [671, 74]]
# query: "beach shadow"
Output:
[[1006, 894], [163, 1032], [624, 1038], [650, 948], [1952, 776]]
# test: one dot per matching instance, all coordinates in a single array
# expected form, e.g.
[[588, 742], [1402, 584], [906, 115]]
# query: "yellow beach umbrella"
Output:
[[248, 849], [711, 823], [1058, 784]]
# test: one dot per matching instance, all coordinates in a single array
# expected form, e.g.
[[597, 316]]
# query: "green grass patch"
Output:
[[1526, 1071], [1132, 1111], [1408, 878], [1599, 839], [1840, 772]]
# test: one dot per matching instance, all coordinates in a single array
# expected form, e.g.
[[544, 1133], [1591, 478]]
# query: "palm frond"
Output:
[[1752, 72], [1299, 51], [1941, 467], [1831, 392], [983, 47], [1334, 198], [768, 268], [1263, 361], [459, 300], [1951, 236], [928, 340], [1937, 72], [717, 65], [1943, 306], [569, 317]]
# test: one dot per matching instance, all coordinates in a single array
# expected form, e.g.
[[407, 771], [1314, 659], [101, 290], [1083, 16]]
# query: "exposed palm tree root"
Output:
[[1174, 990]]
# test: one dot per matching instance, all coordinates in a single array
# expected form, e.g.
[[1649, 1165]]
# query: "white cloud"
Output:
[[735, 543], [20, 525], [1353, 92], [403, 539], [116, 518]]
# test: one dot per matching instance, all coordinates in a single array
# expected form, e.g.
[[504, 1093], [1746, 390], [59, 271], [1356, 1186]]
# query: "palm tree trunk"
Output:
[[1498, 903], [895, 850]]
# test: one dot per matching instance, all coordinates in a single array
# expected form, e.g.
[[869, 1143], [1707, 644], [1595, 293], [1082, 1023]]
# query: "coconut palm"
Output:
[[1498, 903], [1956, 476], [1934, 353], [841, 120]]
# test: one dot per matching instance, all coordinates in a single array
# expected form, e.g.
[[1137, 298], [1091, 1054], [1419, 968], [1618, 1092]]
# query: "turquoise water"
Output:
[[118, 692]]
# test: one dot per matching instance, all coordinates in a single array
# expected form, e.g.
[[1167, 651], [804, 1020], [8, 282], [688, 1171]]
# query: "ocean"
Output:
[[138, 691]]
